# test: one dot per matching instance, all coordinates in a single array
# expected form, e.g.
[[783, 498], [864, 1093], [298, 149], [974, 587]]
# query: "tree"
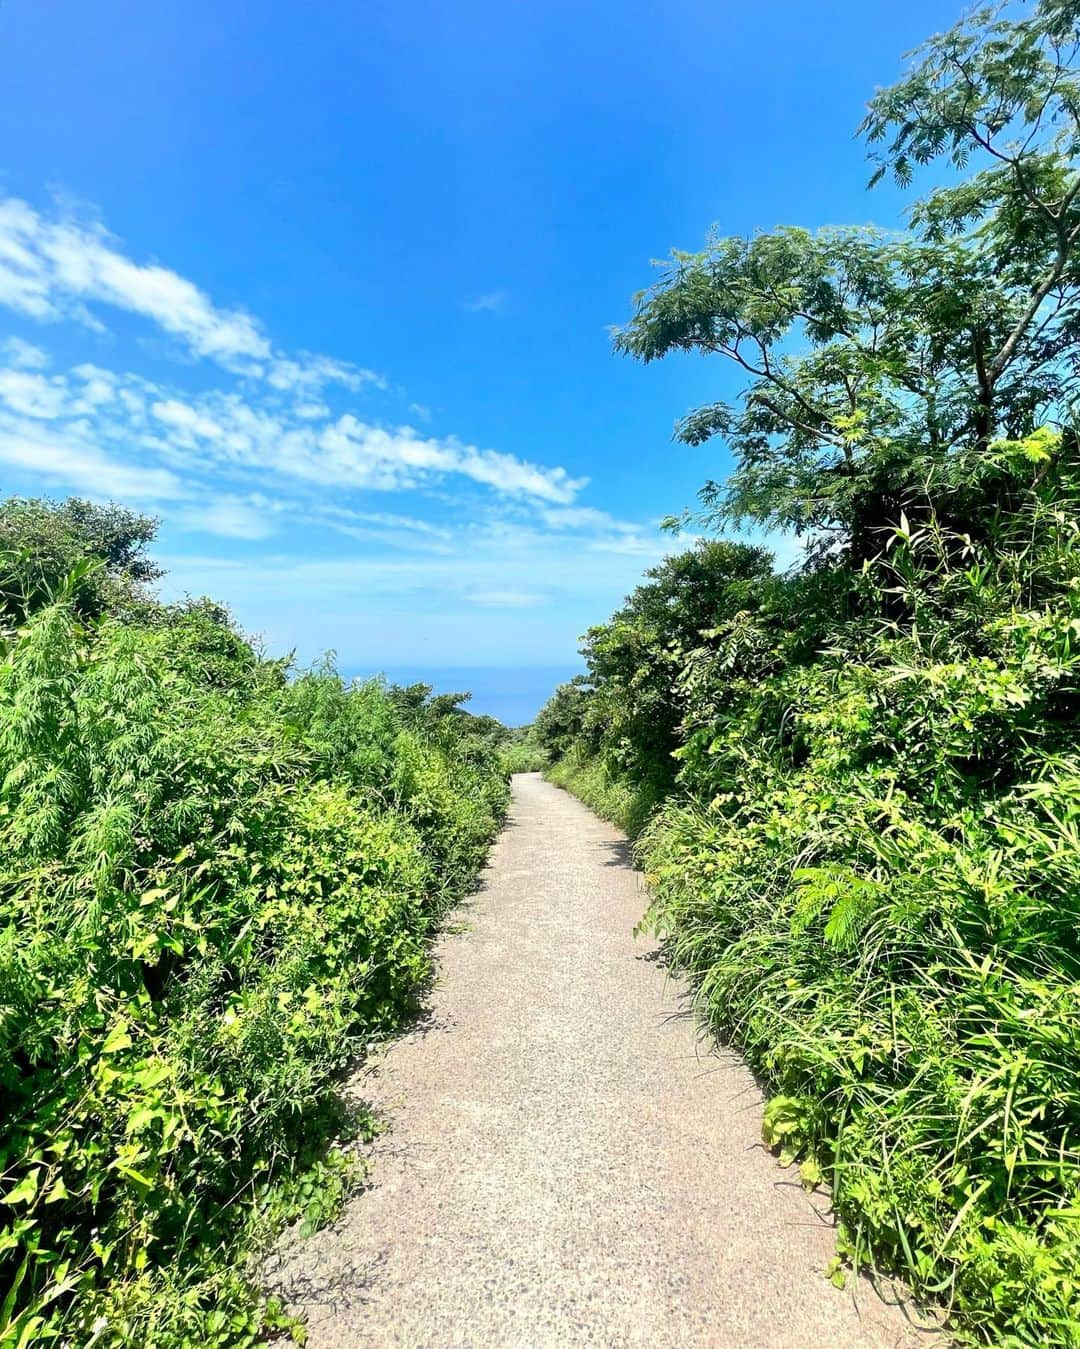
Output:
[[99, 552], [636, 659], [558, 724], [922, 348]]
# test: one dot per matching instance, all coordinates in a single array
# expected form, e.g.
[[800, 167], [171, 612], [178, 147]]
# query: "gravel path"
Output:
[[566, 1165]]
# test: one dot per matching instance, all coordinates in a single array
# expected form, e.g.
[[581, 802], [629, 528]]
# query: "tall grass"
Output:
[[625, 804]]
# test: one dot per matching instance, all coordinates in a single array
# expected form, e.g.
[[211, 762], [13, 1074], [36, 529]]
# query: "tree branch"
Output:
[[1005, 355]]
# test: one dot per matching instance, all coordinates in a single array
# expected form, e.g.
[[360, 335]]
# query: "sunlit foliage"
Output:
[[217, 882], [867, 847]]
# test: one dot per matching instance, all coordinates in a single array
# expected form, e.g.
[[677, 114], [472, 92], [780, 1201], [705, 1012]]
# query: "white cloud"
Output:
[[51, 269], [491, 302], [510, 595], [59, 267], [310, 374], [181, 417], [492, 552], [24, 278], [227, 517], [279, 420], [385, 520], [24, 355], [347, 451], [352, 448], [233, 467], [30, 395], [98, 388], [63, 458], [584, 517]]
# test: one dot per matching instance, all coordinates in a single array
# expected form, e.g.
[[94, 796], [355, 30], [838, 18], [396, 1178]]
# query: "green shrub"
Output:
[[870, 867], [905, 977], [215, 889], [96, 553], [522, 756]]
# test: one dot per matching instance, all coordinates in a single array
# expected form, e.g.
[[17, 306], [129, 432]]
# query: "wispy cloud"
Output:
[[584, 517], [23, 355], [509, 596], [334, 519], [253, 438], [52, 269], [277, 420], [68, 460], [309, 374], [384, 520], [65, 268], [229, 518], [506, 599], [31, 395], [491, 302]]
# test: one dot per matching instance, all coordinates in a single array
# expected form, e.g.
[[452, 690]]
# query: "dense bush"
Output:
[[216, 885], [521, 752], [613, 732], [877, 883], [867, 847], [97, 554], [870, 863]]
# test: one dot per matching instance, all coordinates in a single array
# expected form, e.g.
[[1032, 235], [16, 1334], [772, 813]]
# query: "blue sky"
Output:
[[327, 287]]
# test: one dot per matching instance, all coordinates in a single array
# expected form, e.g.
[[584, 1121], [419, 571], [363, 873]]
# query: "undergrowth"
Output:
[[870, 867], [217, 883], [867, 848], [625, 805]]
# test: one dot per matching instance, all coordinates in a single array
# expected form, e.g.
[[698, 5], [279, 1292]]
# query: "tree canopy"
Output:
[[97, 551], [883, 367]]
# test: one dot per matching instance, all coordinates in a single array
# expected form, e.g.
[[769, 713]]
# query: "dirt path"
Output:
[[566, 1166]]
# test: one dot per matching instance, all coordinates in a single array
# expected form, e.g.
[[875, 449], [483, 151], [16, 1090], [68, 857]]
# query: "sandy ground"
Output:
[[565, 1163]]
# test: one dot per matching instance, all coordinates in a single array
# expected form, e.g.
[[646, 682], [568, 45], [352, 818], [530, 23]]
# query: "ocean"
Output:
[[514, 694]]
